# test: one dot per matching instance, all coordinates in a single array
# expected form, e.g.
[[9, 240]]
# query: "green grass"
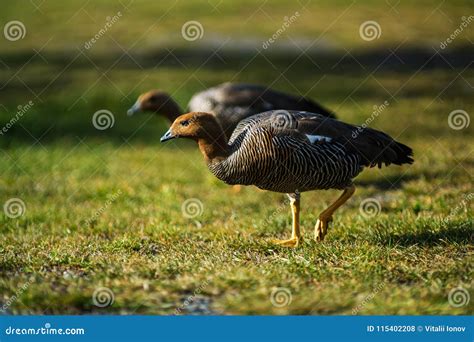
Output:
[[143, 25], [103, 208]]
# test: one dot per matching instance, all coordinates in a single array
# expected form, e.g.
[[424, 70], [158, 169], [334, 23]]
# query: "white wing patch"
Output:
[[314, 138]]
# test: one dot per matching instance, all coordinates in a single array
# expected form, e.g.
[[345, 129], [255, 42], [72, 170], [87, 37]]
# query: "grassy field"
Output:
[[145, 25], [104, 208]]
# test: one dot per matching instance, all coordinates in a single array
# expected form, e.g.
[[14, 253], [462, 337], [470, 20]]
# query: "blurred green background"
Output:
[[141, 246]]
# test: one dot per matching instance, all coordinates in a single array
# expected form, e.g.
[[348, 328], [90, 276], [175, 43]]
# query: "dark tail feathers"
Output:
[[378, 148]]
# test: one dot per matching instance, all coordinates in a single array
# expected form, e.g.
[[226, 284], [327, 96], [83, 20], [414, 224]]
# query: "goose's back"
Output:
[[280, 160], [230, 103], [233, 102], [285, 151]]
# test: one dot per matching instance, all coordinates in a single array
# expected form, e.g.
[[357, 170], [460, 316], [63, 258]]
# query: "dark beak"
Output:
[[167, 136]]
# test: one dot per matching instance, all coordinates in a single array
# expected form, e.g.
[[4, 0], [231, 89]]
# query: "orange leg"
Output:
[[321, 228]]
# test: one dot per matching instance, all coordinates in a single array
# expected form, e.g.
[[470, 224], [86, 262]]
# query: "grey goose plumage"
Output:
[[291, 152], [229, 102]]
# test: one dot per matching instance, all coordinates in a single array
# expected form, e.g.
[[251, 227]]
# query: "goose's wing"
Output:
[[258, 99], [228, 95], [374, 147], [230, 98], [230, 103], [242, 99], [280, 100]]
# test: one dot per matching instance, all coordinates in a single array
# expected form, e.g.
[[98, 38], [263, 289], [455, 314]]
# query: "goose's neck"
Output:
[[214, 149], [170, 109]]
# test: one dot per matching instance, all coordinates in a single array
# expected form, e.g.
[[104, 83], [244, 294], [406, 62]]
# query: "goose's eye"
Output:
[[185, 123]]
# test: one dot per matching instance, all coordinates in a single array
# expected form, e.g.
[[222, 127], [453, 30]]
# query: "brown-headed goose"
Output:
[[291, 152], [229, 102]]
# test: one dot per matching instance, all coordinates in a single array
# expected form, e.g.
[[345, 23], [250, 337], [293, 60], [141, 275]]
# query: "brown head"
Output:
[[156, 101], [203, 128]]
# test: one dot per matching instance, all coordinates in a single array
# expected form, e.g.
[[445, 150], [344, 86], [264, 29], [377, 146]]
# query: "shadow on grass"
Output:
[[391, 182], [397, 181], [406, 59], [451, 233], [69, 116]]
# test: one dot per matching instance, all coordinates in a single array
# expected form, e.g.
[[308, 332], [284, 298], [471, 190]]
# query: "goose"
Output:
[[230, 102], [291, 152]]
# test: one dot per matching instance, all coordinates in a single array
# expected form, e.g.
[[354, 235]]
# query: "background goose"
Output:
[[291, 152], [230, 102]]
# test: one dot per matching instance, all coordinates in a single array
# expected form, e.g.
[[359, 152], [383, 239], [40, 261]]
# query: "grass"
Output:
[[104, 208], [145, 25]]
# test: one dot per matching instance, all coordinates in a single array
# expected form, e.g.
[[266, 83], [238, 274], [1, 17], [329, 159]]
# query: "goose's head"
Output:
[[155, 101], [194, 125]]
